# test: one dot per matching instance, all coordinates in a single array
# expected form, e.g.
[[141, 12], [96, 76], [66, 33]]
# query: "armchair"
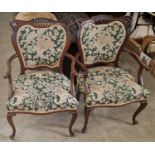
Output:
[[41, 88], [101, 40]]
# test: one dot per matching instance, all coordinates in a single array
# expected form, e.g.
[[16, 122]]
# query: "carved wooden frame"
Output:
[[102, 19], [40, 22]]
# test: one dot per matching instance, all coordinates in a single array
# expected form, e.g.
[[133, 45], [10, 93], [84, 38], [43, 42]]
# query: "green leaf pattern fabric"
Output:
[[42, 91], [109, 86], [101, 43], [41, 46]]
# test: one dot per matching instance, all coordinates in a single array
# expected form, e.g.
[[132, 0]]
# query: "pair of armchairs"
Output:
[[42, 88]]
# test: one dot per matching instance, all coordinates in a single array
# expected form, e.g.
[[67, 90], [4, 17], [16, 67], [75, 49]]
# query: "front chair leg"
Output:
[[140, 108], [86, 118], [10, 121], [73, 119]]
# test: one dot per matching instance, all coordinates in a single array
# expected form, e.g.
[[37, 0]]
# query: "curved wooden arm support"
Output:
[[83, 67], [138, 48], [85, 72], [9, 75], [73, 61], [134, 45], [140, 62], [73, 72], [136, 57]]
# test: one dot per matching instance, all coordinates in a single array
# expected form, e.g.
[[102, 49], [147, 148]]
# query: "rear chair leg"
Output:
[[140, 108], [10, 121], [86, 118], [73, 119], [78, 95]]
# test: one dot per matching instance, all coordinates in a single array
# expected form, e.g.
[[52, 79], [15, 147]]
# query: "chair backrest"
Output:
[[100, 39], [40, 43], [26, 16]]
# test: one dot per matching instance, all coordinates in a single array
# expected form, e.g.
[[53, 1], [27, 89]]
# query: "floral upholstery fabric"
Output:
[[101, 43], [41, 46], [110, 86], [42, 91]]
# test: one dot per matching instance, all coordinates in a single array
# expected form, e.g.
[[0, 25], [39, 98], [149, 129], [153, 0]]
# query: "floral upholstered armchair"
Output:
[[41, 88], [100, 41]]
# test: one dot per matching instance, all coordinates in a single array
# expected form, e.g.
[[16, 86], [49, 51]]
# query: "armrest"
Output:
[[85, 73], [9, 74], [73, 61], [83, 67], [136, 56], [133, 45], [73, 72], [135, 49]]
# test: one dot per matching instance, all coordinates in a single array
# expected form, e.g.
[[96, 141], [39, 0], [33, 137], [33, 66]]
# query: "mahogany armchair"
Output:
[[41, 88], [101, 40]]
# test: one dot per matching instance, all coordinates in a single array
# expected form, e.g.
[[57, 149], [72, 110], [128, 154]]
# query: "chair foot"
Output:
[[83, 130], [86, 118], [135, 122], [140, 108], [12, 137], [73, 119], [10, 121]]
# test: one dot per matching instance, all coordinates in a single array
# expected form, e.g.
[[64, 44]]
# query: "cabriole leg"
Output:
[[73, 119], [10, 121], [86, 118], [140, 108]]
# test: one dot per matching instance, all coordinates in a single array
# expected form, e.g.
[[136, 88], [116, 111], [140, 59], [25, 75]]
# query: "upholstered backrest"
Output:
[[41, 45], [101, 42]]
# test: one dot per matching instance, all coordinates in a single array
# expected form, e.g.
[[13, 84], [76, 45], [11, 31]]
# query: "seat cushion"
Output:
[[42, 91], [109, 86]]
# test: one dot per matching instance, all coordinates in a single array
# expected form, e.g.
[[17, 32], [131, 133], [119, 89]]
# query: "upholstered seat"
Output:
[[42, 91], [109, 86]]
